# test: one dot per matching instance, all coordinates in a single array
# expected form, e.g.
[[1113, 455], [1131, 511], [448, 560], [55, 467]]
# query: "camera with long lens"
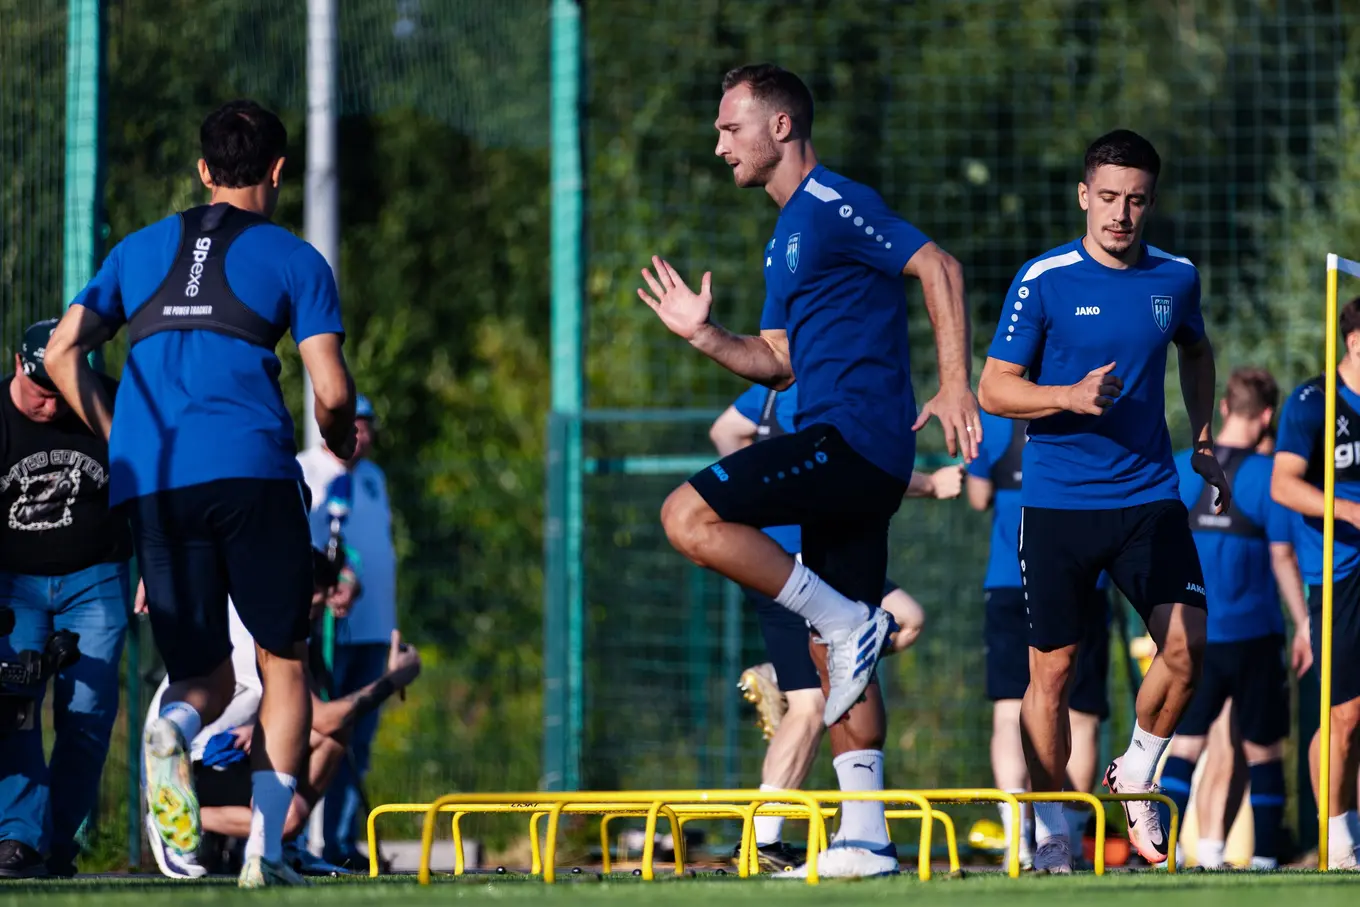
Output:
[[28, 670]]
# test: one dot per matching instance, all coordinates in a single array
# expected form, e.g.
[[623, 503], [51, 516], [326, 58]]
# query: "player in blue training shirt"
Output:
[[787, 690], [1246, 552], [203, 460], [994, 482], [1297, 484], [1090, 322], [835, 318]]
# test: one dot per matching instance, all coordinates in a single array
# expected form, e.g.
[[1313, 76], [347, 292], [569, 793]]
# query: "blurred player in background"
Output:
[[1297, 484], [835, 318], [787, 690], [1247, 553], [204, 458], [994, 481], [1090, 322]]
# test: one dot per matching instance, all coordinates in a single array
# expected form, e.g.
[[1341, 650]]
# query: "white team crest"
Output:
[[1161, 311], [791, 252]]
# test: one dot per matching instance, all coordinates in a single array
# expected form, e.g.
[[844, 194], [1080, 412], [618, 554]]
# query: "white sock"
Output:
[[768, 828], [1210, 853], [1076, 817], [816, 602], [1340, 840], [183, 716], [1026, 824], [862, 824], [271, 795], [1049, 822], [1139, 765]]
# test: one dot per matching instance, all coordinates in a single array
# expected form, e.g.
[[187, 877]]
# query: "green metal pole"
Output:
[[564, 610], [81, 240], [731, 670]]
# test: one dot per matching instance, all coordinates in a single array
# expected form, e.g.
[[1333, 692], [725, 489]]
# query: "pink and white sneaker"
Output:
[[1147, 833]]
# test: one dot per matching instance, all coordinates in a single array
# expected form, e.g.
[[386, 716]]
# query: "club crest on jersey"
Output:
[[791, 252], [1161, 311]]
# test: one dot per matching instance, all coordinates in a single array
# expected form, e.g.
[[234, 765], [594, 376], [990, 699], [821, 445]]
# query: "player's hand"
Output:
[[344, 447], [679, 308], [957, 409], [947, 482], [1301, 651], [1206, 464], [139, 604], [243, 735], [340, 598], [1093, 394], [403, 662]]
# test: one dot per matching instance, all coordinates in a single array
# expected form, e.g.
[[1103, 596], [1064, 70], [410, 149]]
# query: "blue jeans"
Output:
[[93, 603], [355, 667]]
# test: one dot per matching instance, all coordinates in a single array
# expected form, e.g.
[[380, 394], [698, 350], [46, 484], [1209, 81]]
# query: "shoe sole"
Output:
[[161, 863], [1153, 857], [758, 691], [172, 800]]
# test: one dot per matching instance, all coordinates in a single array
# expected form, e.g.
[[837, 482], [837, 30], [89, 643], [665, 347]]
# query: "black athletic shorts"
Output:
[[1006, 637], [813, 479], [247, 538], [1345, 635], [1147, 549], [1252, 672], [786, 641], [227, 786]]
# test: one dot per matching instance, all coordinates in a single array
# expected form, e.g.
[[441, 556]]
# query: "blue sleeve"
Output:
[[773, 316], [1301, 421], [1191, 329], [312, 294], [103, 295], [871, 233], [1021, 331], [750, 403], [1192, 486], [1253, 495]]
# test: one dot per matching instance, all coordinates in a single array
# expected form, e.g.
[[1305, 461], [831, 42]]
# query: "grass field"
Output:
[[1231, 889]]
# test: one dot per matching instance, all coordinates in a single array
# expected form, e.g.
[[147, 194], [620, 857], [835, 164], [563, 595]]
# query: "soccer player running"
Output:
[[994, 481], [835, 317], [1246, 551], [204, 461], [1090, 322], [1297, 484], [787, 690]]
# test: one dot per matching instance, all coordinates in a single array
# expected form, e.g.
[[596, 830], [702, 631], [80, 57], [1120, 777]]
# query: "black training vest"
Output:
[[1347, 441], [195, 295], [768, 427], [1007, 472], [1232, 521]]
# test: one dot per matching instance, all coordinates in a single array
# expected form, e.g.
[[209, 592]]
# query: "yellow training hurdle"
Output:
[[681, 806]]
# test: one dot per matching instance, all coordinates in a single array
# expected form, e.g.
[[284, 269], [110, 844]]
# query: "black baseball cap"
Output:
[[32, 351]]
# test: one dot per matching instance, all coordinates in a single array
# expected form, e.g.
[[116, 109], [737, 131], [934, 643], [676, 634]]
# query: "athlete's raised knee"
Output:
[[688, 520]]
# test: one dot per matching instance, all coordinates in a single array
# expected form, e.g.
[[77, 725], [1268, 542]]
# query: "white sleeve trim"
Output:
[[824, 193], [1048, 264], [1158, 253]]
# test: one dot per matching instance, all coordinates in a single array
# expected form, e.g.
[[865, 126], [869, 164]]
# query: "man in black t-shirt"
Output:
[[63, 566]]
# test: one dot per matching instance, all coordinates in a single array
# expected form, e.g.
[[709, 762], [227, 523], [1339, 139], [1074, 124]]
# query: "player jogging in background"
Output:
[[994, 481], [787, 690], [835, 317], [1297, 484], [1090, 322], [1246, 552], [204, 462]]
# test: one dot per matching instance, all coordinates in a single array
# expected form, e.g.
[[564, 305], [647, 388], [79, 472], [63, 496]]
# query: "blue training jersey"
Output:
[[1239, 584], [1301, 426], [1000, 461], [773, 413], [833, 281], [1066, 315], [195, 406]]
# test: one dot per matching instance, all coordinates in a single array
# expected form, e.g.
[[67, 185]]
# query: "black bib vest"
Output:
[[768, 427], [1347, 443], [1008, 470], [1232, 521], [195, 295]]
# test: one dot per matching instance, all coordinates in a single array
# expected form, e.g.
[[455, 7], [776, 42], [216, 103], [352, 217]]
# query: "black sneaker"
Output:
[[19, 861], [775, 857]]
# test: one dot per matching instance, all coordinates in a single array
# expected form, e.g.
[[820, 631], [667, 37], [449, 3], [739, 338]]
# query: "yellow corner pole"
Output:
[[1328, 552]]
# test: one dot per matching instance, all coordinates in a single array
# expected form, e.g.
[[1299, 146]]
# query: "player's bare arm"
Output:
[[731, 431], [763, 359], [980, 493], [1197, 387], [67, 360], [943, 484], [1005, 391], [956, 407], [1289, 488], [1284, 563], [334, 390]]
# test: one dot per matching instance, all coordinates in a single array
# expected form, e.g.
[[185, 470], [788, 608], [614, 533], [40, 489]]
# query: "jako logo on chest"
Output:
[[1088, 310]]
